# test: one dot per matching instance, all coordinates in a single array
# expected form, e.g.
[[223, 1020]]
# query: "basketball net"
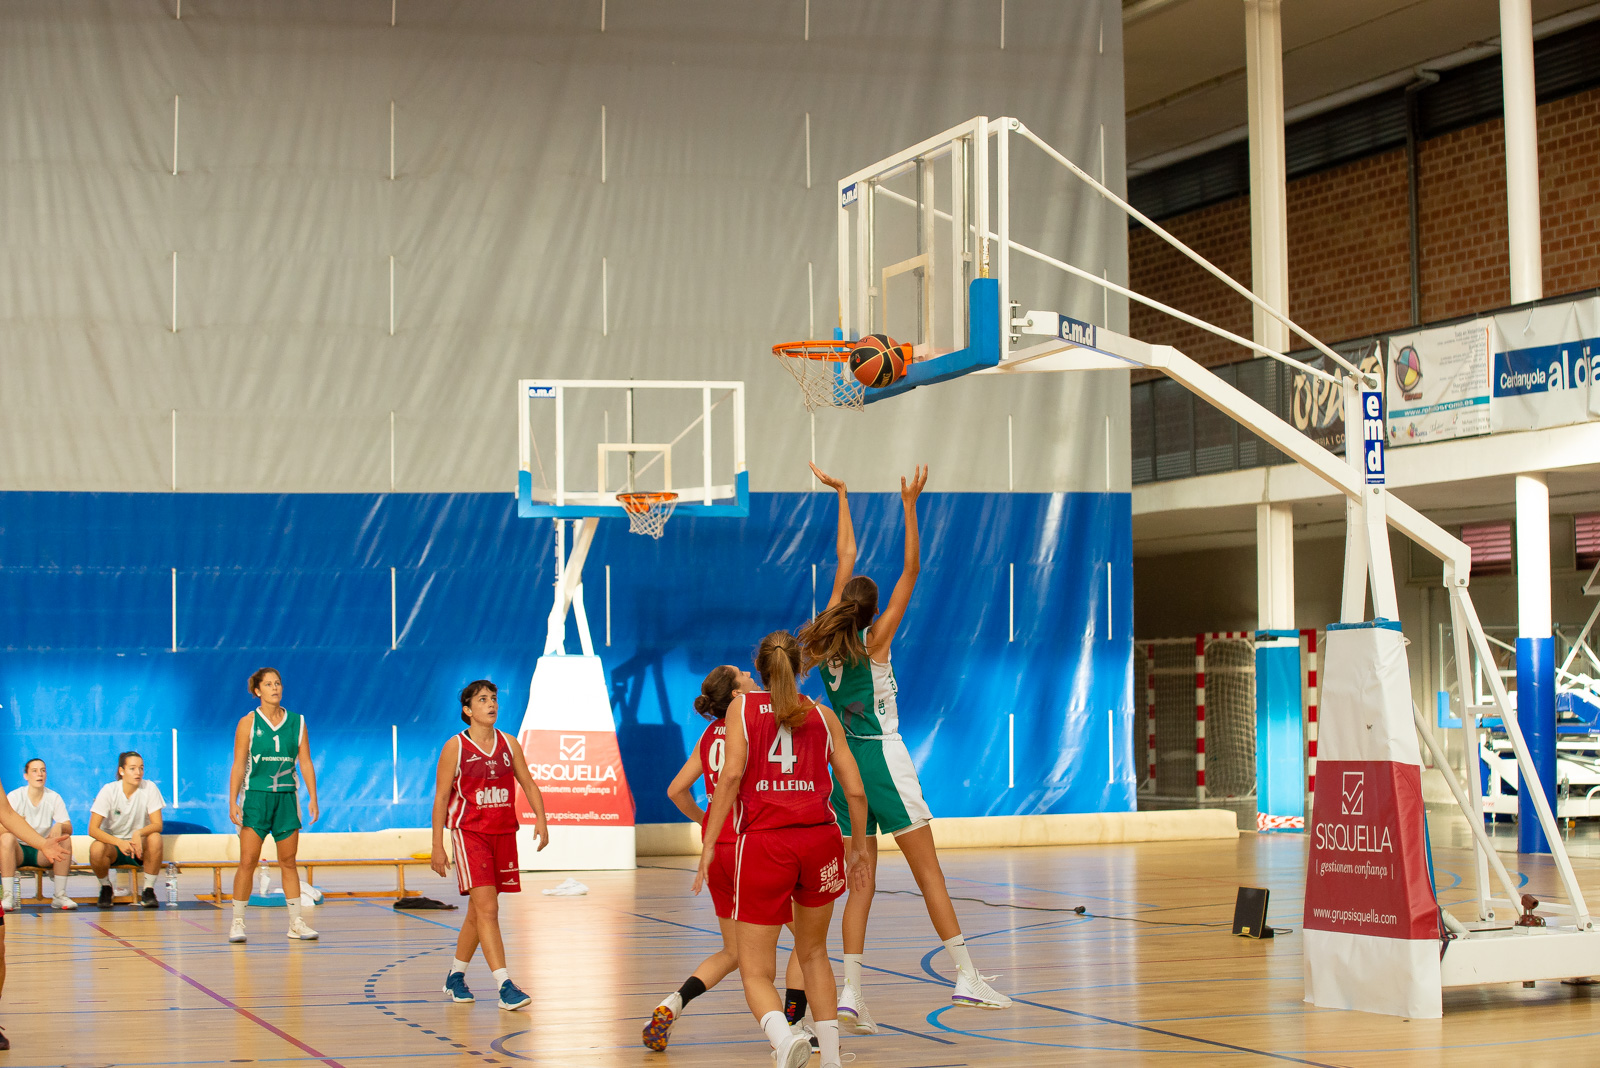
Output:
[[822, 370], [648, 512]]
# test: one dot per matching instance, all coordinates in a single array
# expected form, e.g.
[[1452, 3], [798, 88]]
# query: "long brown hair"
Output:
[[716, 692], [778, 662], [836, 633]]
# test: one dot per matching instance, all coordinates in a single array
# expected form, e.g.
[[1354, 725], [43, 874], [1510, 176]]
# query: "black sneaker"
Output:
[[5, 1043], [147, 900], [105, 897]]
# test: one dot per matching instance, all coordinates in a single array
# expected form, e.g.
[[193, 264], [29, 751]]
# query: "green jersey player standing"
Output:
[[268, 745], [850, 643]]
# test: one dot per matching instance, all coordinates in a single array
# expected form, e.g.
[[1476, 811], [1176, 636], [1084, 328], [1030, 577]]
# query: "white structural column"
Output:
[[1269, 211], [1522, 150], [1275, 566], [1533, 557]]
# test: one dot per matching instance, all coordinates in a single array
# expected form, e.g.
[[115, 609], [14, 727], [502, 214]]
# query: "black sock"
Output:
[[692, 988], [794, 1005]]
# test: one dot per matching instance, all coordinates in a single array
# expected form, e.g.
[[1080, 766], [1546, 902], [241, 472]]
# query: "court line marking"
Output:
[[213, 995], [933, 1018]]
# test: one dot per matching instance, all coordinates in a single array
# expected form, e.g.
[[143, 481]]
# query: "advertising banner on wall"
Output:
[[1437, 386], [1544, 363], [1316, 406], [1371, 921]]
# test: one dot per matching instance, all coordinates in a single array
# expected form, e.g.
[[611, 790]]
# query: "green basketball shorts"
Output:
[[274, 815], [894, 796]]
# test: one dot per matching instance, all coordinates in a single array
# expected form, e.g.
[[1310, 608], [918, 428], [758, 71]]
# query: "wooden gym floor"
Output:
[[163, 988]]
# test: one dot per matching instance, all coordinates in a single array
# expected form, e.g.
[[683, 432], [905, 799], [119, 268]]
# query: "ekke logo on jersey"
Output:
[[493, 795], [573, 745]]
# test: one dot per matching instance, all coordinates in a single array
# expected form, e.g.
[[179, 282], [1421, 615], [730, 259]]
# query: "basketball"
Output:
[[877, 361]]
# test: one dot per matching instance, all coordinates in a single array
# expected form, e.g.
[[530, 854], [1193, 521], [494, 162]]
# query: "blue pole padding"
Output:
[[1280, 740], [1536, 712]]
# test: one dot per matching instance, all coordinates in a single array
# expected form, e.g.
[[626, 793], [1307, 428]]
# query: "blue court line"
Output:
[[933, 1018], [918, 1034]]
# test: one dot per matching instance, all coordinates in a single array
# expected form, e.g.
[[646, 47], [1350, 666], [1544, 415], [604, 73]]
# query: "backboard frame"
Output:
[[729, 500]]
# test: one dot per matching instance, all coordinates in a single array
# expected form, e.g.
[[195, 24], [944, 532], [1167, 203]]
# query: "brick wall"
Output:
[[1349, 273]]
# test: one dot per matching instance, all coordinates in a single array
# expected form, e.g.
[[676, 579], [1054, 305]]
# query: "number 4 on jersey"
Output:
[[782, 751]]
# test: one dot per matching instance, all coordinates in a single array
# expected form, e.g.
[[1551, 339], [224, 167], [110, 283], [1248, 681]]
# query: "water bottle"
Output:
[[266, 882], [16, 890], [172, 883]]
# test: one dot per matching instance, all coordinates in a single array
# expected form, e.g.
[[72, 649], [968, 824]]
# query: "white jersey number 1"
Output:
[[782, 751]]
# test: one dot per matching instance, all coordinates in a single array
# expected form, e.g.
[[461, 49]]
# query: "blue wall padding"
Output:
[[1280, 741], [301, 582], [1536, 713]]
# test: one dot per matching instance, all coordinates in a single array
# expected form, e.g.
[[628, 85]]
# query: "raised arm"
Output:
[[681, 792], [443, 778], [738, 748], [530, 790], [308, 773], [846, 543], [241, 760], [888, 621]]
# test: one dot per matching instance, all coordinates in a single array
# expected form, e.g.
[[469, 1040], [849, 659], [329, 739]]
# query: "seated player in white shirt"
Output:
[[46, 813], [50, 851], [125, 823]]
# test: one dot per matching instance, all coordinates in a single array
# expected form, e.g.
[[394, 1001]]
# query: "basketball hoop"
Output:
[[648, 512], [822, 370]]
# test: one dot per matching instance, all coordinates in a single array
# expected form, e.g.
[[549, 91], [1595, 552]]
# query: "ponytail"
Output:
[[835, 634], [778, 662], [716, 692]]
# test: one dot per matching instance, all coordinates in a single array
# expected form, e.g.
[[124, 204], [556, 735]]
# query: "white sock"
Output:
[[457, 966], [776, 1027], [60, 883], [149, 881], [238, 909], [294, 913], [105, 880], [673, 1001], [827, 1032], [500, 975], [958, 953], [852, 970]]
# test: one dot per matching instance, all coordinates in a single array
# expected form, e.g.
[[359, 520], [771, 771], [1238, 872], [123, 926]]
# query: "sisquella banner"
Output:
[[1371, 920]]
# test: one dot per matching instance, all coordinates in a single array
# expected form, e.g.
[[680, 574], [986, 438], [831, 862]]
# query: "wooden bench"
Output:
[[399, 864], [41, 898]]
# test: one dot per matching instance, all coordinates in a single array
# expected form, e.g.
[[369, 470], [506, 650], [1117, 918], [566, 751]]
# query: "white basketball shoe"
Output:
[[853, 1015], [974, 990]]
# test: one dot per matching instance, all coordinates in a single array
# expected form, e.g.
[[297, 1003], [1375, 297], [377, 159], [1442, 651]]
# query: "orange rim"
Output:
[[643, 502], [838, 351]]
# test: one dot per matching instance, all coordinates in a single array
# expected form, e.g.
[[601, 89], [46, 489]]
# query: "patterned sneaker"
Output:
[[63, 902], [800, 1027], [794, 1052], [107, 900], [974, 990], [147, 899], [455, 984], [853, 1015], [236, 932], [512, 998], [660, 1026], [298, 929]]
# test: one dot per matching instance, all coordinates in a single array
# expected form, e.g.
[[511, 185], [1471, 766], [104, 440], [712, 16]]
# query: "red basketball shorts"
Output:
[[773, 870], [720, 879], [486, 860]]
